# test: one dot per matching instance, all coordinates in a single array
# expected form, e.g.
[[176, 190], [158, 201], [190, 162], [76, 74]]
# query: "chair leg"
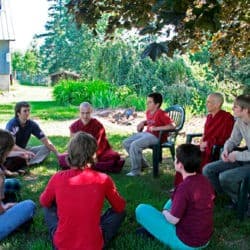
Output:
[[242, 199], [156, 160], [172, 150], [160, 154]]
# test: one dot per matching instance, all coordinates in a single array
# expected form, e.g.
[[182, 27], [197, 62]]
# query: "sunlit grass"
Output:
[[229, 233], [44, 110]]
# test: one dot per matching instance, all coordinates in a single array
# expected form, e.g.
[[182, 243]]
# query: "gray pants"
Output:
[[134, 146], [227, 176], [41, 152]]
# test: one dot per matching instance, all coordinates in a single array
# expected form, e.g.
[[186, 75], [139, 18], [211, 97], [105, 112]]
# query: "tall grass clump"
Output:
[[99, 93]]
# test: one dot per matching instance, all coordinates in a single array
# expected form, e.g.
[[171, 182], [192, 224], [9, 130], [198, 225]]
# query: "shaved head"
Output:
[[85, 105], [85, 112], [218, 97], [214, 102]]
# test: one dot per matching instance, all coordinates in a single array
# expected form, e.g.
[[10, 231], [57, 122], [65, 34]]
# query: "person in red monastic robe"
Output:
[[217, 130], [107, 159]]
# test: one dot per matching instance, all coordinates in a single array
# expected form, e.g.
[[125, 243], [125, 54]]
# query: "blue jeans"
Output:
[[157, 225], [110, 223], [14, 217], [227, 176]]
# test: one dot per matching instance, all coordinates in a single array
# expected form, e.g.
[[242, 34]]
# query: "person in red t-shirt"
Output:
[[156, 119], [107, 159], [186, 221], [74, 198], [218, 127]]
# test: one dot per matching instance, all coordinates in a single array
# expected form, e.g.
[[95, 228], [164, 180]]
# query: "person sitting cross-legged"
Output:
[[107, 159], [22, 127], [156, 120], [73, 200], [186, 221], [13, 215], [227, 174]]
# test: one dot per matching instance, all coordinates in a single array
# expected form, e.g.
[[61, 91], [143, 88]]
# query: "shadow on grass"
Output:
[[229, 233]]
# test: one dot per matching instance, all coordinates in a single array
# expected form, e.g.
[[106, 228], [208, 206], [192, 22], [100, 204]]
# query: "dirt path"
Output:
[[20, 93], [30, 93], [33, 93]]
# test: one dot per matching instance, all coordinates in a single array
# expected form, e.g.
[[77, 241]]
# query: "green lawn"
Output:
[[229, 232]]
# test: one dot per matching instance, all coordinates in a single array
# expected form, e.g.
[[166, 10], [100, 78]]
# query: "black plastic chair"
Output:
[[216, 149], [177, 114]]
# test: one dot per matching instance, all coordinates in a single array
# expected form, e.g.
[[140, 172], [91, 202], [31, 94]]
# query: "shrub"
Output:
[[100, 94], [70, 92]]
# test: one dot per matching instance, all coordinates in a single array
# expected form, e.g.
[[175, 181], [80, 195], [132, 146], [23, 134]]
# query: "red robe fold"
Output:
[[96, 129], [107, 158], [217, 130]]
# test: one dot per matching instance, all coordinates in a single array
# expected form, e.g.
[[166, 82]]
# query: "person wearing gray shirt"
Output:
[[227, 173]]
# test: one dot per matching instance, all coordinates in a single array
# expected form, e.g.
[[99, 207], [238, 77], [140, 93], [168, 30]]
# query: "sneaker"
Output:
[[132, 174]]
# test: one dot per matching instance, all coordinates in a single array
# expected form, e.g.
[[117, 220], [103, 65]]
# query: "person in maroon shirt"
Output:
[[186, 221], [74, 198], [218, 127], [107, 159]]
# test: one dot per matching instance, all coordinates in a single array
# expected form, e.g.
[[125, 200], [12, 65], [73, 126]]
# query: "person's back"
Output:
[[196, 194], [186, 221], [78, 195]]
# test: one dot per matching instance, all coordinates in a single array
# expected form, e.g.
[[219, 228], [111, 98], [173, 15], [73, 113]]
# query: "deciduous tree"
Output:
[[224, 22]]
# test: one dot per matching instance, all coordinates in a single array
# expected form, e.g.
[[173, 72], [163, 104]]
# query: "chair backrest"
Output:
[[177, 114]]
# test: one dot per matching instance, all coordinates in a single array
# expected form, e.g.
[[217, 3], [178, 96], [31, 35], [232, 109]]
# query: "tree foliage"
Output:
[[225, 22], [27, 63], [65, 47]]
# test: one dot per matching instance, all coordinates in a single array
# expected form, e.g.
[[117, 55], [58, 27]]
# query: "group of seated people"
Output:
[[74, 197]]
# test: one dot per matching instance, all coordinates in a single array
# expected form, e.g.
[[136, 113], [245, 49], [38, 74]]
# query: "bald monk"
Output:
[[107, 159], [217, 130]]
